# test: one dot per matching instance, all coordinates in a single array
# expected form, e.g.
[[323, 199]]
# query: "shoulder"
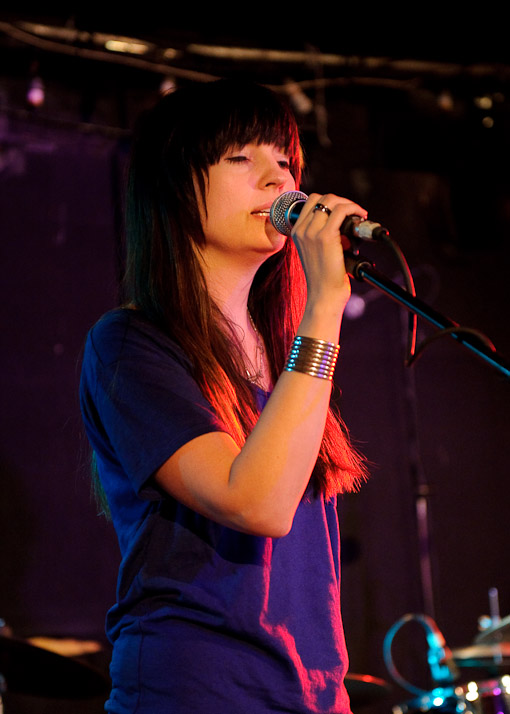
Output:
[[125, 333]]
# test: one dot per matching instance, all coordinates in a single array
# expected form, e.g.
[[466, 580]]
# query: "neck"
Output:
[[229, 284]]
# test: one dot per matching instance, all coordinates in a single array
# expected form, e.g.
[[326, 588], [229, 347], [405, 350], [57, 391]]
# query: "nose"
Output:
[[273, 175], [276, 177]]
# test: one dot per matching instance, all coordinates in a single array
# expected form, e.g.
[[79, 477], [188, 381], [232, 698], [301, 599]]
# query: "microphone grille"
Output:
[[278, 214]]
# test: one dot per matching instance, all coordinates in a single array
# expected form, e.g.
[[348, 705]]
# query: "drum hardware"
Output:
[[497, 632], [364, 689], [443, 669], [3, 688], [29, 669], [489, 696], [493, 629], [493, 659]]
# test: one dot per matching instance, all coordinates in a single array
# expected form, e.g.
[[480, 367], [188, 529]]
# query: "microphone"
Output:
[[287, 207], [439, 656]]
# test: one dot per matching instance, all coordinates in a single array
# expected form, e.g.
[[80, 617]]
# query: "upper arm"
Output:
[[140, 402], [199, 475]]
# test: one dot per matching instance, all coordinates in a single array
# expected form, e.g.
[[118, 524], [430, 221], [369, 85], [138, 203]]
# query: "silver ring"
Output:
[[323, 208]]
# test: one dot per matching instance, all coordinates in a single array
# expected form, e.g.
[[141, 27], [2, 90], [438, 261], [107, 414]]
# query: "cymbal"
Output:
[[496, 633], [67, 646], [364, 689], [28, 669], [483, 656]]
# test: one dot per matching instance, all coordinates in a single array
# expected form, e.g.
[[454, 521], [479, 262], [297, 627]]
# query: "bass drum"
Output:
[[490, 697]]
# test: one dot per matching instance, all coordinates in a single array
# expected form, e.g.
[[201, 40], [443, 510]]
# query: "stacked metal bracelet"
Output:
[[314, 357]]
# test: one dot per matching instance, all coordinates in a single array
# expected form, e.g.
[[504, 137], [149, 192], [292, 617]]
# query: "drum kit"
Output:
[[457, 692], [39, 668], [456, 674]]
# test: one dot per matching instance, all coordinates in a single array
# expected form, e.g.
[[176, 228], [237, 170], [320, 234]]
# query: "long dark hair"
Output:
[[176, 142]]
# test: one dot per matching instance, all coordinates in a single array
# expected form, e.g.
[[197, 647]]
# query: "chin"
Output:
[[276, 239]]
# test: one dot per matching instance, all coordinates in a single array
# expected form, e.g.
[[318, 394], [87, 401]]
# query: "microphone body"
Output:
[[439, 656], [287, 207]]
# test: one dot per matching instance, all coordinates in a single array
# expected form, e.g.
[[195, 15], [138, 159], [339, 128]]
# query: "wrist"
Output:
[[322, 320], [312, 356]]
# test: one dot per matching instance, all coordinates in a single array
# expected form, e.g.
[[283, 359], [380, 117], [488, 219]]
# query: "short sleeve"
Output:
[[138, 398]]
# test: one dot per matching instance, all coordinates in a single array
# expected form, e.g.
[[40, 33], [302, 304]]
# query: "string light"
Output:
[[168, 85], [35, 92], [301, 103]]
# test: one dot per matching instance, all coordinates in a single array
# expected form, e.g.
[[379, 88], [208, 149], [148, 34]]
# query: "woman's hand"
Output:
[[317, 237]]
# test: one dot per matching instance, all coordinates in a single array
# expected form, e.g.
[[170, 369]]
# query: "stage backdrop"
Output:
[[436, 434]]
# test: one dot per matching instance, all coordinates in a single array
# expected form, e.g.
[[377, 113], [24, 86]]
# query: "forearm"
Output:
[[274, 466]]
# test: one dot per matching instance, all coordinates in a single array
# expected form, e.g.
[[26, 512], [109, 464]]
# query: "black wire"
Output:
[[413, 351], [449, 331], [409, 286]]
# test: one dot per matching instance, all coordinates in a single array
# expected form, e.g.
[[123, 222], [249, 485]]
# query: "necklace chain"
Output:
[[259, 356]]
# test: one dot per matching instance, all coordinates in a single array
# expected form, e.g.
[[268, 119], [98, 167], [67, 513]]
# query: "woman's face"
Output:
[[240, 190]]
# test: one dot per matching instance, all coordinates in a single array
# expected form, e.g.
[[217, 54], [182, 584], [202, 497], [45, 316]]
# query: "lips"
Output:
[[262, 211]]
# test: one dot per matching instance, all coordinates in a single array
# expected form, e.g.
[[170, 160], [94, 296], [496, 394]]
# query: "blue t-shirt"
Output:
[[207, 619]]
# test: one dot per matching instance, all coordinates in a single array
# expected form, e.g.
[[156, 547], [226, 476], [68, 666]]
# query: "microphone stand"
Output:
[[362, 269]]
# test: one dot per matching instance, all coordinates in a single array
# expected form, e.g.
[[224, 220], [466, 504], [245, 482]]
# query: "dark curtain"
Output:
[[439, 430]]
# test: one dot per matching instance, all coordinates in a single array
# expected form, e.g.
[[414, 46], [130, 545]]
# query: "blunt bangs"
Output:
[[234, 114]]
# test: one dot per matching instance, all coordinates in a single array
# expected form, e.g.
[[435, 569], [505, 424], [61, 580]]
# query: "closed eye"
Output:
[[241, 158], [236, 159]]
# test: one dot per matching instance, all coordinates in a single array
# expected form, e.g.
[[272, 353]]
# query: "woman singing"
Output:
[[206, 399]]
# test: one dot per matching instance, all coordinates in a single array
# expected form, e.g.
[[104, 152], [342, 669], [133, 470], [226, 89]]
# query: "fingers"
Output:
[[326, 213], [317, 236]]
